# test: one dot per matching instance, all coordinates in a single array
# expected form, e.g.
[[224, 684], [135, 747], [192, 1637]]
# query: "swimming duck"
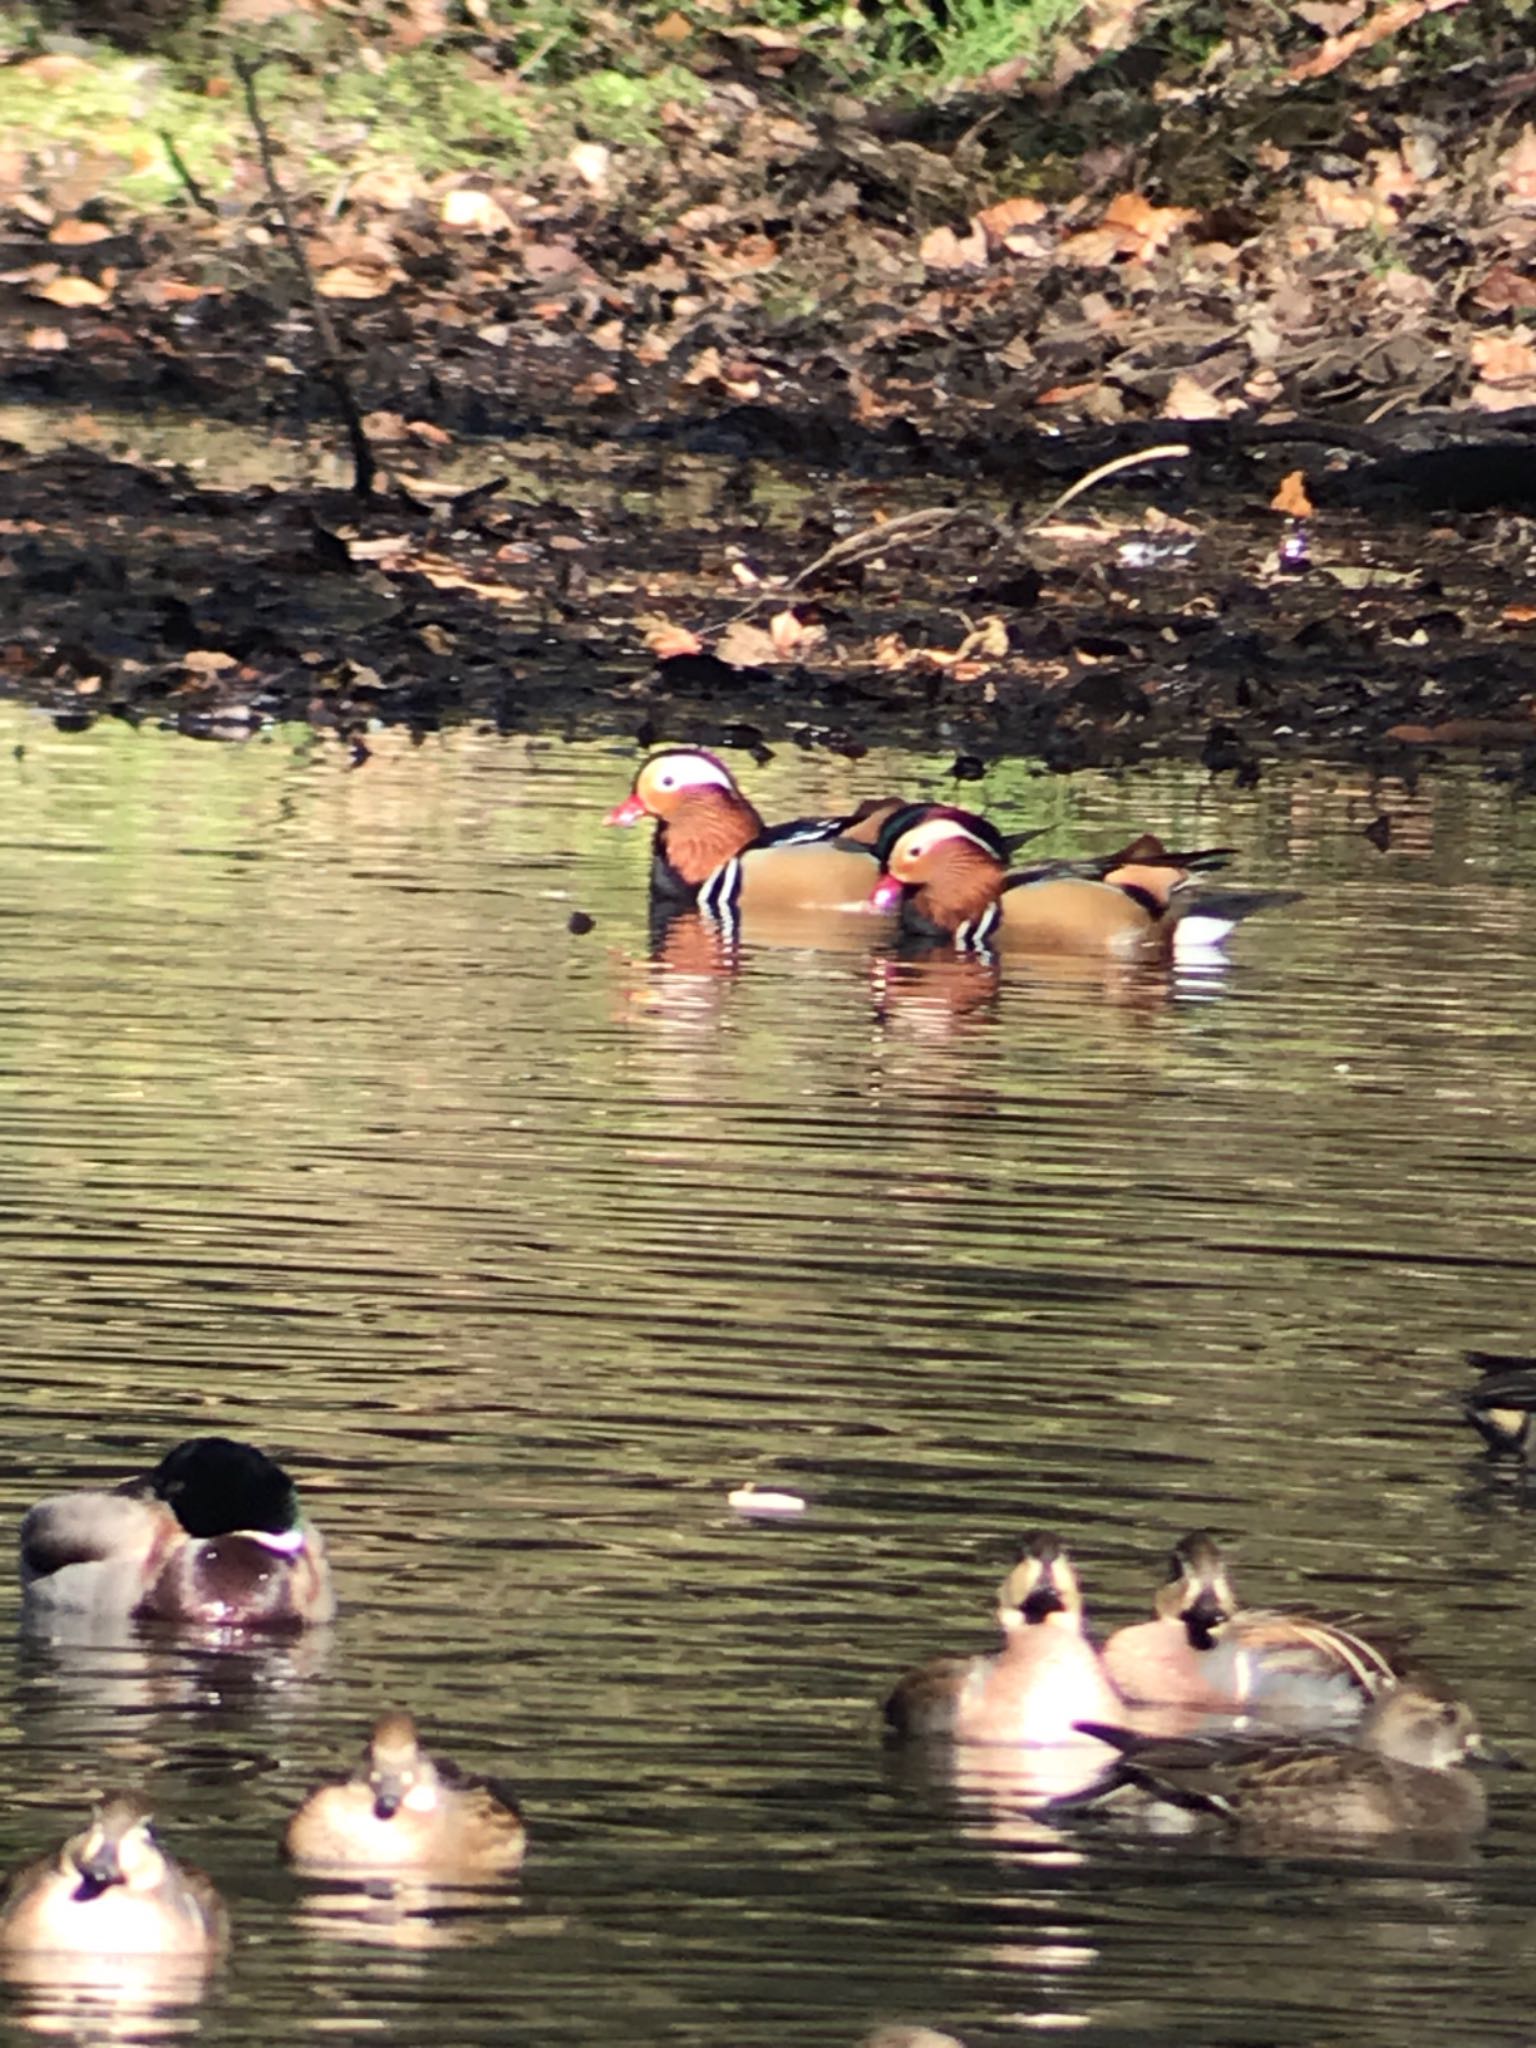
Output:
[[1402, 1776], [713, 848], [212, 1535], [1501, 1404], [1205, 1652], [1036, 1688], [403, 1811], [945, 876], [112, 1890]]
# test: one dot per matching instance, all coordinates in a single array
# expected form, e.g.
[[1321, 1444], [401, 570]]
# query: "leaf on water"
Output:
[[673, 28], [209, 661], [47, 340]]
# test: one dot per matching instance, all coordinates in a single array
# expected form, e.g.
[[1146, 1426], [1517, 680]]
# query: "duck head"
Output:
[[703, 819], [398, 1774], [1041, 1585], [942, 866], [1417, 1725], [1197, 1591], [217, 1487], [118, 1848]]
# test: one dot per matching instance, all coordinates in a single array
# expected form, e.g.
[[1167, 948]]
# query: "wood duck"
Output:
[[213, 1535], [1500, 1406], [1036, 1688], [403, 1811], [945, 876], [1401, 1776], [112, 1890], [1205, 1652]]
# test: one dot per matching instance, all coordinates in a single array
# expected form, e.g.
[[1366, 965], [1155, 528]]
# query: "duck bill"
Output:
[[630, 812], [1493, 1756], [886, 894]]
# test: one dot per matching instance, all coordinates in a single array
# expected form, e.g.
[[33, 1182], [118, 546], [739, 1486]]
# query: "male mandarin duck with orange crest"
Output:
[[944, 871], [713, 849]]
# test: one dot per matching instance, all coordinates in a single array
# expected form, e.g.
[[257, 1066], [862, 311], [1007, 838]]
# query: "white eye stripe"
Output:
[[934, 833], [690, 771]]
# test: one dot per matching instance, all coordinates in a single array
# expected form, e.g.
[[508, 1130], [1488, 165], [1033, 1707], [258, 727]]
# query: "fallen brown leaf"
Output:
[[1291, 497], [70, 291]]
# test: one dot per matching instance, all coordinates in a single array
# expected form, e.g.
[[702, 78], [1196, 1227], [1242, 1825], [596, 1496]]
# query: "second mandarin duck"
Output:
[[1036, 1688], [213, 1535], [404, 1812], [1205, 1652], [946, 877]]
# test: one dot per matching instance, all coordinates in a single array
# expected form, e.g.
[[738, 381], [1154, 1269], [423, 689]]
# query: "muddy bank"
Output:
[[634, 415]]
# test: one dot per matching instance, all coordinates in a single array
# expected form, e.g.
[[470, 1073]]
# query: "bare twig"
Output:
[[907, 529], [1169, 451], [364, 467], [194, 191]]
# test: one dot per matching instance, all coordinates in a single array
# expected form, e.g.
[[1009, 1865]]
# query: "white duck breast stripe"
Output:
[[973, 936], [720, 893]]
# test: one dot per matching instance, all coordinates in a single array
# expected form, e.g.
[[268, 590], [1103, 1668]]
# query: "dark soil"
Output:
[[629, 437]]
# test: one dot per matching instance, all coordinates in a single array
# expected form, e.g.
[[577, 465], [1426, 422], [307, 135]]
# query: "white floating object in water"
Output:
[[752, 1499]]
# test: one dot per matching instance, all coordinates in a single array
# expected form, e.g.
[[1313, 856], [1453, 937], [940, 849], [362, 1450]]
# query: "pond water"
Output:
[[522, 1248]]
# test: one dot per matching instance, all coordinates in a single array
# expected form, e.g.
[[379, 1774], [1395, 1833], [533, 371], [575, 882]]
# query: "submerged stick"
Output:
[[364, 465]]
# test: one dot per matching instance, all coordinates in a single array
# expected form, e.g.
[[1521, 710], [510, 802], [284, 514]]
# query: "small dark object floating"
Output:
[[579, 923]]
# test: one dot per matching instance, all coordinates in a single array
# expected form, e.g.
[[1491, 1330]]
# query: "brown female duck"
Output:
[[945, 874], [112, 1890], [404, 1812], [1402, 1776], [1046, 1677]]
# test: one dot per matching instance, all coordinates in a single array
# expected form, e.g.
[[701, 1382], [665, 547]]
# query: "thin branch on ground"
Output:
[[364, 465], [178, 164], [1168, 451]]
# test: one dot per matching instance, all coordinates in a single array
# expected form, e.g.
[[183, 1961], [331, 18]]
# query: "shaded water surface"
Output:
[[317, 1125]]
